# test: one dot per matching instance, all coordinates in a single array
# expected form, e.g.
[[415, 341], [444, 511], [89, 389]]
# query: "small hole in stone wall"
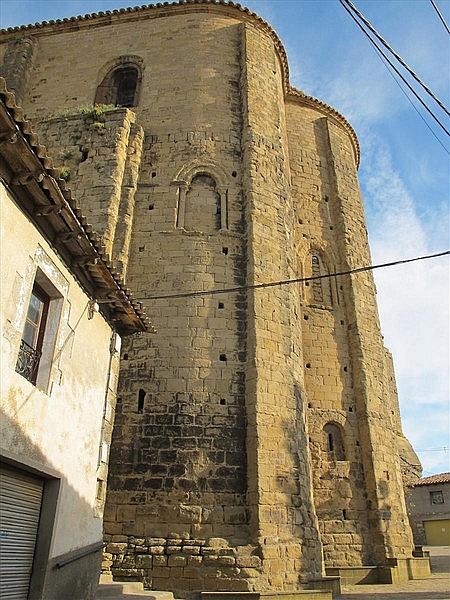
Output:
[[151, 206], [308, 365], [125, 356], [234, 174], [141, 398], [225, 250], [326, 198], [344, 514], [141, 248], [154, 174], [331, 227], [305, 236], [346, 369], [341, 287], [223, 357], [307, 283], [342, 322], [300, 221], [393, 412], [350, 409], [309, 405], [309, 440], [305, 317], [222, 401], [84, 154], [221, 305], [357, 443]]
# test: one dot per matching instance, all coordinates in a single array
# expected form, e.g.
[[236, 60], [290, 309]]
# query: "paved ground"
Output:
[[437, 587]]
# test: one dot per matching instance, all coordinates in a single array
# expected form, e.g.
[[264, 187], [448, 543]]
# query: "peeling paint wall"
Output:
[[56, 426]]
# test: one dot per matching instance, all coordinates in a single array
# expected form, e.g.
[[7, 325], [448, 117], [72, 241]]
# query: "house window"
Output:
[[30, 351], [42, 320], [437, 497]]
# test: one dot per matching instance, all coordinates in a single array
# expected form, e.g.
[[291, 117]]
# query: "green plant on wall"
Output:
[[94, 111], [64, 173]]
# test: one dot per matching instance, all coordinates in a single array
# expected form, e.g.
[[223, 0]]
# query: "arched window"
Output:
[[203, 206], [120, 86], [317, 283], [319, 289], [333, 441]]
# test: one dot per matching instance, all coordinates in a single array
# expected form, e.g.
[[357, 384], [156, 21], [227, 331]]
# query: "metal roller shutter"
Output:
[[20, 507]]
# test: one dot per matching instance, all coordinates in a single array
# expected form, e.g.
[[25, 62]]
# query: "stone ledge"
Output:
[[293, 595]]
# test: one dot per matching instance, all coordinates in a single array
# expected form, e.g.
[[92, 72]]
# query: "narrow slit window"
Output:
[[141, 399]]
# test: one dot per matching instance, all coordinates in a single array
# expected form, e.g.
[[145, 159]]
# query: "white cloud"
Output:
[[413, 302]]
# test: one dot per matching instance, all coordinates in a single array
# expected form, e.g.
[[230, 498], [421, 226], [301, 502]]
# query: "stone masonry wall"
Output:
[[280, 498], [18, 58], [99, 154], [385, 498], [338, 480]]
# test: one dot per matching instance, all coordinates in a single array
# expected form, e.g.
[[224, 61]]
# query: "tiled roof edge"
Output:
[[291, 92], [433, 479]]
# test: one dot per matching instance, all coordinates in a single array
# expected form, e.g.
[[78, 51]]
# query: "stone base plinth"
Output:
[[294, 595]]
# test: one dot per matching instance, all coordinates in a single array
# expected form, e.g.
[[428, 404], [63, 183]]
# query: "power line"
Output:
[[439, 14], [380, 50], [353, 8], [409, 99], [258, 286]]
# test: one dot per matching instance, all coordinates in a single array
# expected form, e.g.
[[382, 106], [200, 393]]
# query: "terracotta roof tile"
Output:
[[434, 479]]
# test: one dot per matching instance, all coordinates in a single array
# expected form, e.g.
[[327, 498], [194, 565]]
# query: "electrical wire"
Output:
[[352, 7], [409, 100], [372, 41], [258, 286], [439, 14]]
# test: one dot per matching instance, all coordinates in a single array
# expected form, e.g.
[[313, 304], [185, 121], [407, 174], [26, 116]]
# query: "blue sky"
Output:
[[404, 171]]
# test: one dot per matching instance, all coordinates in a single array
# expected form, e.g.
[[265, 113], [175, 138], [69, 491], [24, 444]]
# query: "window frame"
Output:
[[437, 494], [49, 291], [40, 327]]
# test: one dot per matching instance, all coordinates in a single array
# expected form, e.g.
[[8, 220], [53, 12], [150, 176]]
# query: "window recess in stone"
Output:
[[120, 86], [333, 441]]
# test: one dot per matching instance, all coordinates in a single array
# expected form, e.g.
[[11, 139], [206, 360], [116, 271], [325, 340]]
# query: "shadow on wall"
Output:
[[62, 511]]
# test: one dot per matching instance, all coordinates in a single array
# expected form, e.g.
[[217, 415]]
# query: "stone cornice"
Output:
[[295, 95], [166, 9]]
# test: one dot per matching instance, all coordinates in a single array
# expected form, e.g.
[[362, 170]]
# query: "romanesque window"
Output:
[[203, 205], [319, 289], [120, 86], [333, 441]]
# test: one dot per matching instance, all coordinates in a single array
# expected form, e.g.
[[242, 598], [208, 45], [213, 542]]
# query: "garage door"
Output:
[[437, 533], [20, 507]]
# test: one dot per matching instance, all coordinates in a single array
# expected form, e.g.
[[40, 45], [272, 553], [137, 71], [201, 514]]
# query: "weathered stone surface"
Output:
[[243, 406]]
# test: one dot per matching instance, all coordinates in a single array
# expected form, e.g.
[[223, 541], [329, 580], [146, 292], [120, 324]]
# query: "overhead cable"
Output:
[[439, 14], [405, 81], [352, 7], [405, 93], [258, 286]]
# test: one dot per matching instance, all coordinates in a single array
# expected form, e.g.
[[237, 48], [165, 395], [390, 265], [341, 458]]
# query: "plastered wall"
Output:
[[56, 427]]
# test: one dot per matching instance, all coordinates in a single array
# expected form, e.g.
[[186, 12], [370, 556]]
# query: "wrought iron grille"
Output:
[[28, 361]]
